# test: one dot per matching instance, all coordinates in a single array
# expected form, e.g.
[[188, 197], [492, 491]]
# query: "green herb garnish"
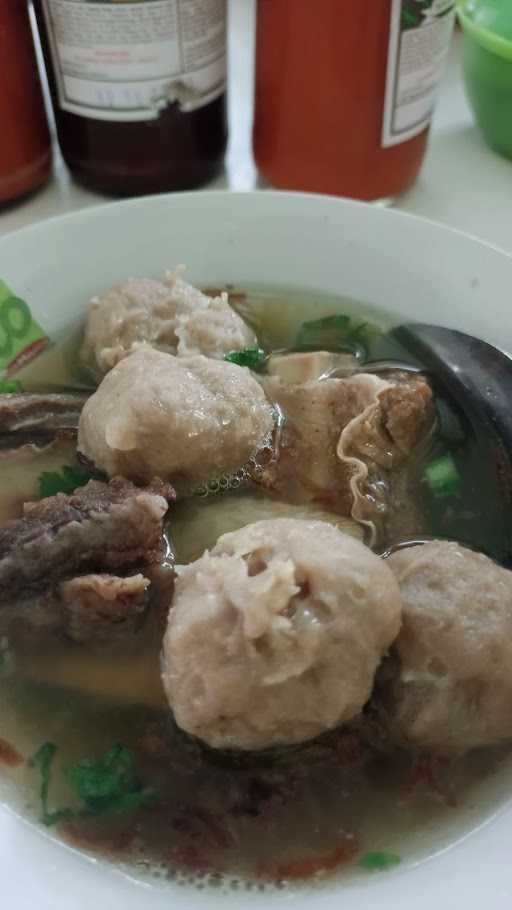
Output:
[[65, 481], [378, 860], [254, 358], [108, 785], [410, 19], [43, 760], [10, 386], [443, 477], [336, 333]]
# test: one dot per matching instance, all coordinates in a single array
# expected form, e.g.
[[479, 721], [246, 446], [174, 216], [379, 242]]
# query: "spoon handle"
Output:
[[478, 379]]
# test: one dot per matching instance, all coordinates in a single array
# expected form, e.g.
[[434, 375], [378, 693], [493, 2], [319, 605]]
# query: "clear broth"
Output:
[[263, 820]]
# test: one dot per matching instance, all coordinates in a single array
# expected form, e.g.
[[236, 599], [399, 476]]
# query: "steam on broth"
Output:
[[123, 780]]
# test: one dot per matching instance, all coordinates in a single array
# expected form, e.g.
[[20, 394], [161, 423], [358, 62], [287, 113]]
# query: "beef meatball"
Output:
[[453, 690], [275, 635], [171, 316], [214, 330], [189, 418]]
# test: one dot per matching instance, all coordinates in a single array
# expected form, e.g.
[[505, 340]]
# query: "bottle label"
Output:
[[129, 59], [419, 39], [21, 337]]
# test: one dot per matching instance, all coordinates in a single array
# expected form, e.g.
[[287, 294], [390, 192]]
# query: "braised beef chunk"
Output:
[[387, 433], [94, 608], [99, 607], [378, 446], [73, 562], [102, 526], [308, 469], [407, 412], [39, 415], [336, 429]]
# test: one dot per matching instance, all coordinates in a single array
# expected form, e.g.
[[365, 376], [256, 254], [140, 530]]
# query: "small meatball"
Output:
[[454, 687], [190, 418], [275, 635], [137, 311], [144, 311]]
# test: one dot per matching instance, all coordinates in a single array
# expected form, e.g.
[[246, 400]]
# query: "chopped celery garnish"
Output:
[[443, 477]]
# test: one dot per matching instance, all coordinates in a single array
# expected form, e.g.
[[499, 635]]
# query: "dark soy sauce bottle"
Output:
[[138, 90]]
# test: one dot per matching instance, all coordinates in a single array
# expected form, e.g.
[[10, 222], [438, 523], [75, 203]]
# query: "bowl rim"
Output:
[[93, 211], [489, 40], [86, 879]]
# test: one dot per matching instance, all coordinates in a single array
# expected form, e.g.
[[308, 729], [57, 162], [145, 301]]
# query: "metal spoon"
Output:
[[476, 379], [389, 366]]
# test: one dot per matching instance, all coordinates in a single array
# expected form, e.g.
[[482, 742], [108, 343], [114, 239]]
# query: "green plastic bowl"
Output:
[[487, 60]]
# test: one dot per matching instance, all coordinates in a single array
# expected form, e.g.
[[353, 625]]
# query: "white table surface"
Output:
[[462, 183]]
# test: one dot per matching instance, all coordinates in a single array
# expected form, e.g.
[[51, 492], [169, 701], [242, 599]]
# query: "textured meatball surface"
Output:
[[453, 691], [187, 418], [171, 315], [275, 635]]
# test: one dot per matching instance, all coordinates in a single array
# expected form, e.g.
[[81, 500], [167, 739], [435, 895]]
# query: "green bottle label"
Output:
[[416, 13], [21, 337], [419, 38]]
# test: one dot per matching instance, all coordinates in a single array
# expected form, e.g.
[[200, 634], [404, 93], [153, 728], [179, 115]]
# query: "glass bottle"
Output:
[[138, 89], [345, 92], [25, 147]]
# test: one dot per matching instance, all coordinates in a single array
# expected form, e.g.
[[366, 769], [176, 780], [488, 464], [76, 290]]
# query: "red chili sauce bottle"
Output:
[[345, 92], [25, 146]]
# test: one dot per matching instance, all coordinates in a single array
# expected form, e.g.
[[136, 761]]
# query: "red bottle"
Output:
[[25, 147], [345, 92]]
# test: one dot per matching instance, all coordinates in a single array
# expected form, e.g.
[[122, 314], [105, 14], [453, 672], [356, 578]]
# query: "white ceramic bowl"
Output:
[[417, 269]]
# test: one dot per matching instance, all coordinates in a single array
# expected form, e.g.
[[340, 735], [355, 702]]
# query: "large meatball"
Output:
[[275, 635], [189, 419], [172, 316], [454, 688]]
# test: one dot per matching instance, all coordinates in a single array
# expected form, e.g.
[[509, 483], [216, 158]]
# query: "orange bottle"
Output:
[[345, 91], [25, 148]]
